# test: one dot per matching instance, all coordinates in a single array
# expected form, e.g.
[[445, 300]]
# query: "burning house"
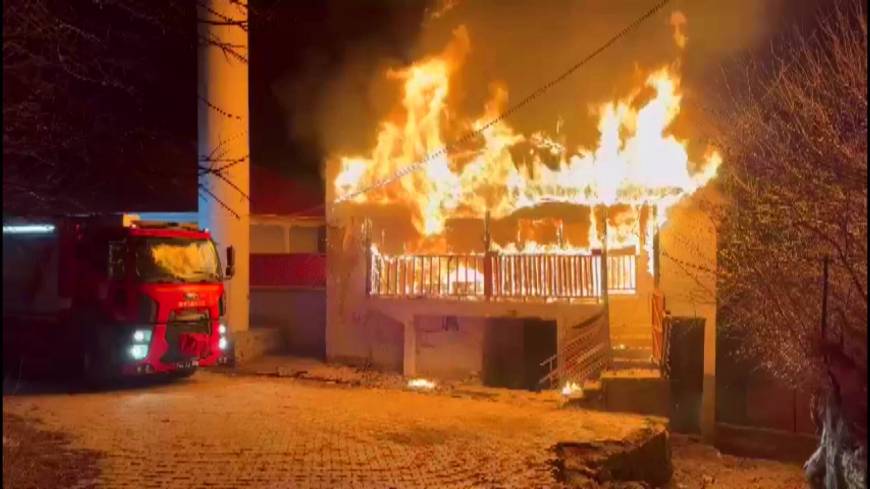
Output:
[[511, 257]]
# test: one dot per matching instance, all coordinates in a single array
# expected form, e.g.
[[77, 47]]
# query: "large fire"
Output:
[[636, 163]]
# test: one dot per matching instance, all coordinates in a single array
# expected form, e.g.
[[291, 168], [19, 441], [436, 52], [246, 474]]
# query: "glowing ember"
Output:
[[572, 389], [421, 384]]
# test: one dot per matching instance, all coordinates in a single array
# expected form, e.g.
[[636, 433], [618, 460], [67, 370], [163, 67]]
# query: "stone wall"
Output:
[[254, 343]]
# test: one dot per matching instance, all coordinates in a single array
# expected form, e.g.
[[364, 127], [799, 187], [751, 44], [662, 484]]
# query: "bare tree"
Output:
[[77, 77], [794, 135]]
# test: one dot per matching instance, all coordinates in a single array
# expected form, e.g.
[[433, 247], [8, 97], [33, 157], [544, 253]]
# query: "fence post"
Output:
[[605, 288], [656, 248], [367, 242], [604, 260], [487, 258]]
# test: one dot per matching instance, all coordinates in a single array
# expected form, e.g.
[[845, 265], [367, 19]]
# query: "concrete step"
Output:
[[631, 333], [639, 390], [630, 342], [627, 390], [591, 397], [592, 389], [631, 352], [634, 374], [631, 327], [643, 335], [632, 364]]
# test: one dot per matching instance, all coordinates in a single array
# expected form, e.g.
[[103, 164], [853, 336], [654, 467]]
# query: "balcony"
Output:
[[492, 276]]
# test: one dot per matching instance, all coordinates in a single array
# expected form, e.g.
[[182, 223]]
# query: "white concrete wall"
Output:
[[268, 238], [449, 353], [302, 239], [689, 244], [285, 234]]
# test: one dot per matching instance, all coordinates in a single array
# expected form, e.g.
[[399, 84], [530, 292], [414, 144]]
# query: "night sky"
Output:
[[297, 47]]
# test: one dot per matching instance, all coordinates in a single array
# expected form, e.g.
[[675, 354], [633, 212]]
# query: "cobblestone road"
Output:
[[220, 431]]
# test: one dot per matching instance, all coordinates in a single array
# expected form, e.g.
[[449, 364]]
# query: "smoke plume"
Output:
[[521, 45]]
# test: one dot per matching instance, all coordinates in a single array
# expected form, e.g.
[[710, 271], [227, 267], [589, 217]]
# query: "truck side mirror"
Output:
[[116, 259], [231, 262]]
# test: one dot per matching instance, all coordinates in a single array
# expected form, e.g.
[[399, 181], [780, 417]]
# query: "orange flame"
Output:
[[636, 161]]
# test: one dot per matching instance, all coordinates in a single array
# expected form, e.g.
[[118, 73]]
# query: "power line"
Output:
[[540, 91], [471, 134]]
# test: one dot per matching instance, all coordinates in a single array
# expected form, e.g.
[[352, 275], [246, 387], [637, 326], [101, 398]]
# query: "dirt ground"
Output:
[[701, 466], [36, 458]]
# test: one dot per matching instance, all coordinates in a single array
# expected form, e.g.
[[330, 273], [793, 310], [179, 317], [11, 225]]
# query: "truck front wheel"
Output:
[[94, 368], [12, 366]]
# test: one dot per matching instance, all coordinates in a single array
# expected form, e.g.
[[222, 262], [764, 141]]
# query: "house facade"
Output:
[[520, 319]]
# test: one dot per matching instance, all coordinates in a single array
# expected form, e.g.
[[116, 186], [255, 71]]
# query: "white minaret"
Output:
[[223, 141]]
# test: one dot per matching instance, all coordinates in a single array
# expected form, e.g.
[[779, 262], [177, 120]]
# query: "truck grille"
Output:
[[174, 330]]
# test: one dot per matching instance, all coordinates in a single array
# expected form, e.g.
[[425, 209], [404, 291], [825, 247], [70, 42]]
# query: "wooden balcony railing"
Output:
[[546, 276], [499, 276], [427, 275]]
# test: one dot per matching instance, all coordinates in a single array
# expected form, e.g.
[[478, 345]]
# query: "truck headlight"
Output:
[[138, 352], [222, 329], [222, 343], [142, 336]]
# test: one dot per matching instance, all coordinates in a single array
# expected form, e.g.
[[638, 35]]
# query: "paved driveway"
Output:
[[215, 430], [220, 431]]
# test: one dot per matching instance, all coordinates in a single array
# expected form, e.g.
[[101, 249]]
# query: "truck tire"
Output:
[[12, 354], [94, 368], [12, 366]]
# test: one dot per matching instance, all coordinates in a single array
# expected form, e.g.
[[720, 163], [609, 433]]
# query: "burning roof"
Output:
[[637, 162]]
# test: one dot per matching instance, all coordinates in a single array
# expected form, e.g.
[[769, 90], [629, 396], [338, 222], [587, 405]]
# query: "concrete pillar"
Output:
[[562, 332], [223, 142], [409, 364]]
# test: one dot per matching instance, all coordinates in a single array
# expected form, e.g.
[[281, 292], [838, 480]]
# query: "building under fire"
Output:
[[512, 258]]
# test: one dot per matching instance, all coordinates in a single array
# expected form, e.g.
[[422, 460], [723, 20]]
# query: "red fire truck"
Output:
[[113, 296]]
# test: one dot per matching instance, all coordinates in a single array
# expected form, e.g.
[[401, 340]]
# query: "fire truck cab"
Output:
[[113, 295]]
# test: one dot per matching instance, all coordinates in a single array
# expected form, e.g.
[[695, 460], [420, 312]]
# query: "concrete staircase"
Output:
[[633, 383], [632, 347]]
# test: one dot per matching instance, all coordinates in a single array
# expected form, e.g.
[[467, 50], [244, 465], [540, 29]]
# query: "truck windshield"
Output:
[[177, 260]]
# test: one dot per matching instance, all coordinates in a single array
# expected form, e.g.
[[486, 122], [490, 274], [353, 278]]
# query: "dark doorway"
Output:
[[513, 350], [540, 344], [686, 364]]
